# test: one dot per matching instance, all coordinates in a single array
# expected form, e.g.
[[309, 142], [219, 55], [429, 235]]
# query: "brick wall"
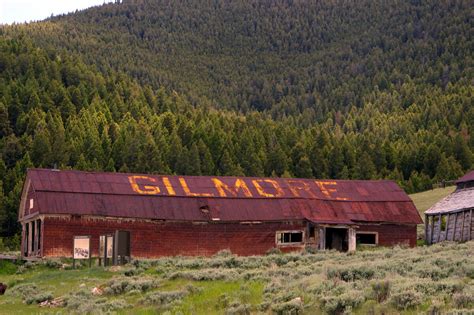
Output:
[[154, 239], [392, 234]]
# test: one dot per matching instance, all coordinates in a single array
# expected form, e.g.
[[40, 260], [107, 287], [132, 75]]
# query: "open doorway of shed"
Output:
[[337, 238]]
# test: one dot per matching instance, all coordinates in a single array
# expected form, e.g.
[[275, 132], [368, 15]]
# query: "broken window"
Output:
[[289, 237], [366, 238]]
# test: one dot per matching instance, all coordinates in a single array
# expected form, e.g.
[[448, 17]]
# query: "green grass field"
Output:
[[424, 200], [436, 280]]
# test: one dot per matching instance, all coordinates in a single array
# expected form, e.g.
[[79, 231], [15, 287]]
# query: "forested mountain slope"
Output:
[[285, 56], [324, 90]]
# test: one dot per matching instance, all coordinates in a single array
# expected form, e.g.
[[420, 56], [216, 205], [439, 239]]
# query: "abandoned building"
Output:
[[451, 218], [200, 215]]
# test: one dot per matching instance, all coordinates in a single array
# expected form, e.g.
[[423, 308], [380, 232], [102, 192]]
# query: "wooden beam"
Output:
[[470, 224], [447, 227], [462, 226], [439, 228], [426, 229], [352, 239], [454, 230], [432, 229]]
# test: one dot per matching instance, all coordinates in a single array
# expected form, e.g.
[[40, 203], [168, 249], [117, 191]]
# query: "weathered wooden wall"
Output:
[[392, 234], [459, 227], [151, 239]]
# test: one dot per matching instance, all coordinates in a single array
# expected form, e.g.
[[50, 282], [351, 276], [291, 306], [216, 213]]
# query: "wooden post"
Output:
[[455, 223], [30, 237], [352, 239], [322, 238], [432, 229], [426, 229], [439, 228], [462, 226], [470, 224], [447, 227]]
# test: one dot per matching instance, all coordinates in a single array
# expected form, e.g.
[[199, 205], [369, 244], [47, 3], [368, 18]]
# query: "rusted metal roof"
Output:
[[466, 178], [205, 198], [459, 200]]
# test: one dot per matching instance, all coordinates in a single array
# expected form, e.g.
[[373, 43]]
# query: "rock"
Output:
[[115, 268], [97, 291], [82, 285], [297, 300], [53, 303]]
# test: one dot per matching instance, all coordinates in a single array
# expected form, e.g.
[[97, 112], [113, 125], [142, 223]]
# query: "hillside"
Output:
[[424, 200], [288, 57], [435, 279], [360, 90]]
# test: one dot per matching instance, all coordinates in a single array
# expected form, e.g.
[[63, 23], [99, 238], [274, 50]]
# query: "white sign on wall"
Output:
[[82, 247]]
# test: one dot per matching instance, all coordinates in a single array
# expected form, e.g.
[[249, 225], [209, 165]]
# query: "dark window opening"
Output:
[[366, 239], [32, 236], [337, 238], [289, 237], [311, 231], [39, 234]]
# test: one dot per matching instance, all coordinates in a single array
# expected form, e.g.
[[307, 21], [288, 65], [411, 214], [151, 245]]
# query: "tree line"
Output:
[[57, 111]]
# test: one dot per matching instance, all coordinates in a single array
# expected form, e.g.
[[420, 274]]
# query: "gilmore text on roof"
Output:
[[208, 198]]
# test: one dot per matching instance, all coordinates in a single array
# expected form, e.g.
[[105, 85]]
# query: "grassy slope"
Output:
[[424, 200]]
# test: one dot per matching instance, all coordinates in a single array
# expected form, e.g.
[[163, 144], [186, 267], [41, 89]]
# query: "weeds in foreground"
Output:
[[435, 279]]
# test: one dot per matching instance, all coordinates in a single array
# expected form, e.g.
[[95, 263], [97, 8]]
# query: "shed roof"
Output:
[[466, 178], [457, 201], [198, 198]]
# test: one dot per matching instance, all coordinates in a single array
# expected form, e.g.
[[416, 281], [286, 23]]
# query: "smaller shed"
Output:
[[451, 218]]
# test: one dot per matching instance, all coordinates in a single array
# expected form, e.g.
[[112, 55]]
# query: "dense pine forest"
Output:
[[323, 89]]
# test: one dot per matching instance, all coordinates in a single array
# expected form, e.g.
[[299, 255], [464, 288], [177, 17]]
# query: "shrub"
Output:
[[25, 291], [53, 263], [273, 251], [123, 285], [38, 298], [223, 253], [236, 308], [337, 304], [406, 299], [206, 275], [381, 290], [463, 299], [434, 272], [223, 301], [291, 307], [133, 272], [163, 297], [83, 302], [351, 273]]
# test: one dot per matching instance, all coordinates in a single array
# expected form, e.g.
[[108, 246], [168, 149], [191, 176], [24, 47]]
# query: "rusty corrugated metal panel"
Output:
[[226, 198], [466, 178]]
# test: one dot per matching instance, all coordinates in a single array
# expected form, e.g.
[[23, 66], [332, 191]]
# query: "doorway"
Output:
[[337, 238]]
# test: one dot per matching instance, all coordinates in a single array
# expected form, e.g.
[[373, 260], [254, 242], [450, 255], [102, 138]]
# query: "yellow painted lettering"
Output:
[[296, 185], [239, 185], [147, 190], [261, 191], [188, 192], [328, 191], [169, 188]]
